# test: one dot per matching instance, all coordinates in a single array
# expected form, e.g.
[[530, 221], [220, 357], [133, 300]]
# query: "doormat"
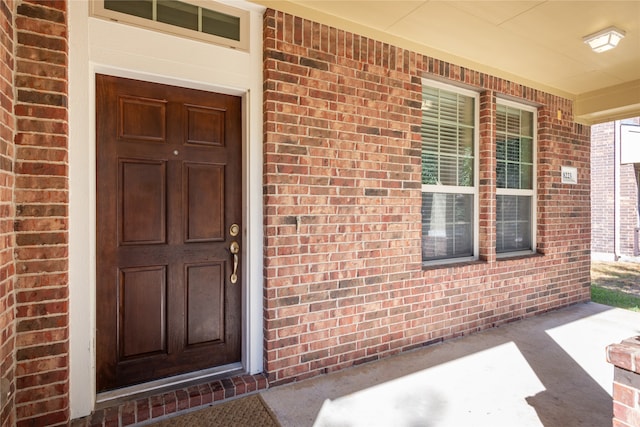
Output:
[[244, 412]]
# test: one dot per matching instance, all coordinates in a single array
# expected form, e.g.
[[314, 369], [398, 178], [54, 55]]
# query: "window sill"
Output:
[[439, 265], [517, 255]]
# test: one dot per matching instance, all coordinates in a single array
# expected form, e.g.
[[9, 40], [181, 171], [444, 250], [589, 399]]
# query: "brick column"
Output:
[[41, 225], [626, 382], [487, 171], [7, 213]]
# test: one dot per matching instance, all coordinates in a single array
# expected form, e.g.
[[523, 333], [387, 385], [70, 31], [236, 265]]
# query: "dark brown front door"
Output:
[[168, 192]]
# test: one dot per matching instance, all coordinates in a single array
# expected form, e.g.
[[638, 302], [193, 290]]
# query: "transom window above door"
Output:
[[212, 22]]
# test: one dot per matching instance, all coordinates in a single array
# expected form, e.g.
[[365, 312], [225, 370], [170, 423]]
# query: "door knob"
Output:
[[234, 249]]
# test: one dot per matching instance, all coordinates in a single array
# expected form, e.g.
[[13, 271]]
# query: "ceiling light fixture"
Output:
[[605, 39]]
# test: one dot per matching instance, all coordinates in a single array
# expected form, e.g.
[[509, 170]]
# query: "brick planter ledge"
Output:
[[626, 382]]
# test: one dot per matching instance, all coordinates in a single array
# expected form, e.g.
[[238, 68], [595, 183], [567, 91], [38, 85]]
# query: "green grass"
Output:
[[614, 298]]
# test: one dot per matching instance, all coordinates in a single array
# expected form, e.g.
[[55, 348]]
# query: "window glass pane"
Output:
[[463, 239], [526, 177], [514, 144], [465, 171], [508, 208], [177, 13], [430, 132], [526, 124], [465, 141], [466, 113], [445, 134], [506, 236], [513, 223], [513, 121], [501, 147], [430, 103], [220, 24], [513, 175], [447, 225], [429, 168], [140, 8], [523, 239], [513, 149], [501, 175], [501, 119], [526, 150], [448, 106], [448, 170], [448, 139]]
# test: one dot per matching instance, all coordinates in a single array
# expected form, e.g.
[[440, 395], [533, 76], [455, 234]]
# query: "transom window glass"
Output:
[[515, 175], [449, 212], [217, 22]]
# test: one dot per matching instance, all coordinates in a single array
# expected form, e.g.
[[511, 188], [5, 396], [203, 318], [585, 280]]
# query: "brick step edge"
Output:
[[159, 406]]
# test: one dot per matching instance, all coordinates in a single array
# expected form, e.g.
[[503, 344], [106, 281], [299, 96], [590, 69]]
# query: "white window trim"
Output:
[[431, 188], [534, 183], [98, 10]]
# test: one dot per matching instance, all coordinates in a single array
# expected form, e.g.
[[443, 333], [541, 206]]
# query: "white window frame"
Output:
[[98, 10], [451, 189], [533, 192]]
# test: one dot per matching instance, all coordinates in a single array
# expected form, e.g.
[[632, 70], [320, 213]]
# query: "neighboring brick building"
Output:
[[614, 194], [337, 130]]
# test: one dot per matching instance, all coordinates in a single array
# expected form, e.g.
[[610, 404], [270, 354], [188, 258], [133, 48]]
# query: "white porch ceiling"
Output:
[[537, 43]]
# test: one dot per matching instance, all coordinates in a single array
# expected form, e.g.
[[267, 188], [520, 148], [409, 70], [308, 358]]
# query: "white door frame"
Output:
[[98, 46]]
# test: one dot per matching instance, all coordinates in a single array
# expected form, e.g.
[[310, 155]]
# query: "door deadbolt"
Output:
[[234, 230]]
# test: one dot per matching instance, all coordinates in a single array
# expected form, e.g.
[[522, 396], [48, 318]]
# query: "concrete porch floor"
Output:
[[548, 370]]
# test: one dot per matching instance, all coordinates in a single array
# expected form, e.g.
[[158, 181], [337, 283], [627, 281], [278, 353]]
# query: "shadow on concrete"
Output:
[[571, 396]]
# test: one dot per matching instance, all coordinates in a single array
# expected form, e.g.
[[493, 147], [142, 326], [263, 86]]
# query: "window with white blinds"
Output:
[[515, 175], [449, 178]]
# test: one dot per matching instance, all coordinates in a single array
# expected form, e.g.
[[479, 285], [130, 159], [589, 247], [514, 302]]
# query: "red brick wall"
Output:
[[41, 223], [344, 282], [7, 241]]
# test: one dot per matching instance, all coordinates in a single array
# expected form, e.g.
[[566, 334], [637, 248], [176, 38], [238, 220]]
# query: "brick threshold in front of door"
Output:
[[159, 406]]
